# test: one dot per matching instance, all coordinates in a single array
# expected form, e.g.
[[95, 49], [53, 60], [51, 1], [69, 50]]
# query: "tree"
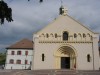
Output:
[[6, 12], [2, 58]]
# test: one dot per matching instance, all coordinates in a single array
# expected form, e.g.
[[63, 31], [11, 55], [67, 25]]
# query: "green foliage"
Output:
[[2, 58], [5, 12]]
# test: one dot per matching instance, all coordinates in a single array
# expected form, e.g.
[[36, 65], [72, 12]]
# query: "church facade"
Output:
[[65, 44]]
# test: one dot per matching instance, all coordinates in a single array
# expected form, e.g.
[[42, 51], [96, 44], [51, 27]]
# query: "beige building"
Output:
[[66, 44]]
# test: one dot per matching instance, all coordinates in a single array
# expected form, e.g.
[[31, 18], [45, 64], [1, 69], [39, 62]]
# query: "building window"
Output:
[[12, 52], [51, 35], [55, 35], [88, 58], [18, 52], [26, 61], [43, 57], [18, 62], [47, 35], [11, 61], [75, 35], [26, 52], [84, 35], [65, 35]]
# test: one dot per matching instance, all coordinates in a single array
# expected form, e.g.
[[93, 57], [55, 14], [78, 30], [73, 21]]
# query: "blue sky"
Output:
[[29, 17]]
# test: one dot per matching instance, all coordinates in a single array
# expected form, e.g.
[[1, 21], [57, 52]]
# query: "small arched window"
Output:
[[88, 58], [75, 35], [65, 35], [79, 34], [51, 35], [55, 35], [47, 35], [11, 61], [91, 38], [43, 35], [84, 35], [43, 57], [88, 35]]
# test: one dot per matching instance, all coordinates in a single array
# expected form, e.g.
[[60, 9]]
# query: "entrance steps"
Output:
[[53, 72]]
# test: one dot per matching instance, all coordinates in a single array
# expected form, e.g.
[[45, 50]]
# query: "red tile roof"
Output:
[[23, 44]]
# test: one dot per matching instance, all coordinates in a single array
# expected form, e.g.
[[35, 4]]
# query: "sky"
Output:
[[30, 17]]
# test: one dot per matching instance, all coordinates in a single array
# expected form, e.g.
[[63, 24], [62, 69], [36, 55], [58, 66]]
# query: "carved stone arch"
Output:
[[51, 35], [66, 45], [88, 35], [79, 34], [42, 35], [66, 51], [79, 37]]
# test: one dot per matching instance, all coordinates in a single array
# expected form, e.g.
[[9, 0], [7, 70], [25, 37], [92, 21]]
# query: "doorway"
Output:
[[65, 62]]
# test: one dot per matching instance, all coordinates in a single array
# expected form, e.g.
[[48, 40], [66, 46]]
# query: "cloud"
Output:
[[29, 17]]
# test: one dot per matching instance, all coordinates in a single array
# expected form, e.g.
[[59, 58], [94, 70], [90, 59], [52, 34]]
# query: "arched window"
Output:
[[91, 38], [47, 35], [88, 34], [11, 61], [18, 62], [75, 35], [65, 35], [43, 57], [88, 58], [55, 35], [43, 35], [84, 35], [51, 35], [79, 34]]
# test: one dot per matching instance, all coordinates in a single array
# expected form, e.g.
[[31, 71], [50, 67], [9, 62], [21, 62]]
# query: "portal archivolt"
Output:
[[65, 58]]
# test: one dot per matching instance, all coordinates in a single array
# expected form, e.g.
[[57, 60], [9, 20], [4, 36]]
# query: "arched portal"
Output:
[[65, 58]]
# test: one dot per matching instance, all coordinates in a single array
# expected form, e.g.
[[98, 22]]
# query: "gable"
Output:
[[65, 23]]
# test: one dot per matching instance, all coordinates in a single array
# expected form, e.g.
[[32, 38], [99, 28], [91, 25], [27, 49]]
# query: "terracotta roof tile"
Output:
[[23, 44]]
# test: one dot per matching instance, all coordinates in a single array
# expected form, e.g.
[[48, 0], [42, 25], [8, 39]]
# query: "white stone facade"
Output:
[[80, 48], [21, 57]]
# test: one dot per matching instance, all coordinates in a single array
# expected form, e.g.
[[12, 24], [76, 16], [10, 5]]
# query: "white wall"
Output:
[[82, 48], [16, 57]]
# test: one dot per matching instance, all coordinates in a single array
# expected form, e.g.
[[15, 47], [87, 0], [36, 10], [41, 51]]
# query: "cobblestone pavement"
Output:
[[48, 72]]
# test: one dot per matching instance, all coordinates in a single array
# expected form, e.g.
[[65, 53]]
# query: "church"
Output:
[[65, 44]]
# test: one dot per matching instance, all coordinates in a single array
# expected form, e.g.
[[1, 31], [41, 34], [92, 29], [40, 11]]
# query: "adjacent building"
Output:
[[19, 55]]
